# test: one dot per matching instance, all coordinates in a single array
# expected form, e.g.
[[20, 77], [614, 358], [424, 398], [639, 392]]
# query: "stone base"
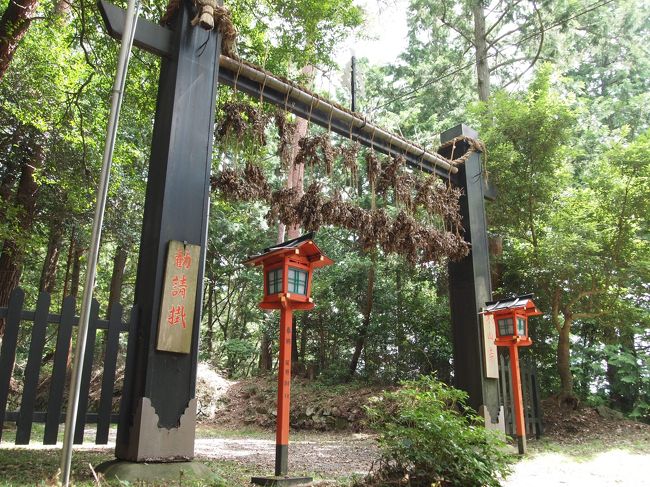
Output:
[[281, 481], [158, 474]]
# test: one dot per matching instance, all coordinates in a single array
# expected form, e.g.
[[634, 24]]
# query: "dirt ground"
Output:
[[325, 455], [611, 468], [335, 456]]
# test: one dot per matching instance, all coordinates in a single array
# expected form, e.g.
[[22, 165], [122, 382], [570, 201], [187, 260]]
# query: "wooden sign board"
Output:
[[490, 355], [176, 318]]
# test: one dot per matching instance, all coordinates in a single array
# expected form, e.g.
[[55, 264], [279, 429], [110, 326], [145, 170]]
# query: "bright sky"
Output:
[[385, 32]]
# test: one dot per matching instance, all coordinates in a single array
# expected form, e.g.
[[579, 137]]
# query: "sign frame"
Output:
[[177, 304]]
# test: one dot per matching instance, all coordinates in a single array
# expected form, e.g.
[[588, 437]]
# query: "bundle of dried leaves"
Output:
[[283, 207], [439, 244], [335, 210], [256, 181], [241, 120], [231, 186], [286, 132], [349, 155], [309, 208], [439, 198], [389, 174], [402, 186], [376, 233], [316, 150], [373, 167]]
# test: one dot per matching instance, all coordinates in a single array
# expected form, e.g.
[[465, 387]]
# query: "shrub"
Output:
[[429, 437]]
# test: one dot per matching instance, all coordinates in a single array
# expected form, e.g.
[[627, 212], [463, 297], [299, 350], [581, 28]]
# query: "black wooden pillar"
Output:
[[469, 283], [159, 407]]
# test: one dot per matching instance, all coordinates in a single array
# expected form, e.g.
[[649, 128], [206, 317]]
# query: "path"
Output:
[[611, 468], [325, 455]]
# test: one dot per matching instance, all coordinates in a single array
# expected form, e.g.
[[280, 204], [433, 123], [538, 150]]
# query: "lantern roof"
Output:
[[303, 245], [524, 303]]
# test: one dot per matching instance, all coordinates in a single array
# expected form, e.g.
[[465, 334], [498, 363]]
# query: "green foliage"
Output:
[[429, 436]]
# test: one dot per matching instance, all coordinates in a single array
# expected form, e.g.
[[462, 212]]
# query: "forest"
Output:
[[558, 90]]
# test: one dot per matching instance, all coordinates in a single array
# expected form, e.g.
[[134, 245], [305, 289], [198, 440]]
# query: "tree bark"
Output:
[[13, 26], [480, 42], [77, 253], [365, 325], [564, 359], [209, 334], [266, 358], [48, 273], [11, 259], [117, 277]]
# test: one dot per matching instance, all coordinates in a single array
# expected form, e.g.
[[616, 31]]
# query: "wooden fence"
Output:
[[530, 392], [17, 324]]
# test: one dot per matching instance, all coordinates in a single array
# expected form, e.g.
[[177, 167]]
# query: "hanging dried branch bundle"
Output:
[[256, 181], [231, 186], [241, 120], [402, 186], [311, 149], [389, 174], [349, 155], [373, 167], [286, 132], [440, 199], [402, 235], [283, 206], [309, 208], [438, 245], [335, 211], [376, 233]]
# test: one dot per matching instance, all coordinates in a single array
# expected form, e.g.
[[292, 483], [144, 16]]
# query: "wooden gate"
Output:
[[530, 394], [33, 339]]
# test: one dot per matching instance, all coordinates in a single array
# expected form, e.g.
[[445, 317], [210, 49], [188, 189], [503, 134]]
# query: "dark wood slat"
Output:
[[32, 370], [128, 376], [108, 377], [8, 350], [55, 319], [86, 373], [536, 404], [42, 417], [57, 384]]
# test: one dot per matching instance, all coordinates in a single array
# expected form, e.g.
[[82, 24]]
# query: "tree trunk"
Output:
[[266, 358], [117, 277], [11, 260], [48, 273], [296, 173], [77, 253], [363, 331], [209, 334], [480, 42], [13, 27], [564, 360]]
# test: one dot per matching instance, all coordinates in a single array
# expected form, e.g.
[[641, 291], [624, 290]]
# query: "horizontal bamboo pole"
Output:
[[297, 99]]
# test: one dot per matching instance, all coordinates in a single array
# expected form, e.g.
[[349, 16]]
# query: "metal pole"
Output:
[[353, 84], [130, 22]]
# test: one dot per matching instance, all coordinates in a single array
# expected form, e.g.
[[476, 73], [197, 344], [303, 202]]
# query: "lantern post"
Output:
[[287, 268], [511, 322]]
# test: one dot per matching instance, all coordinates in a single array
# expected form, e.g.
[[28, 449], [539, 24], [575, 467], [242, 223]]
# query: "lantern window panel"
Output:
[[297, 281], [521, 326], [274, 281], [506, 327]]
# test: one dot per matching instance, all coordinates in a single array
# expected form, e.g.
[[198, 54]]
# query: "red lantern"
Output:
[[511, 321], [288, 268]]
